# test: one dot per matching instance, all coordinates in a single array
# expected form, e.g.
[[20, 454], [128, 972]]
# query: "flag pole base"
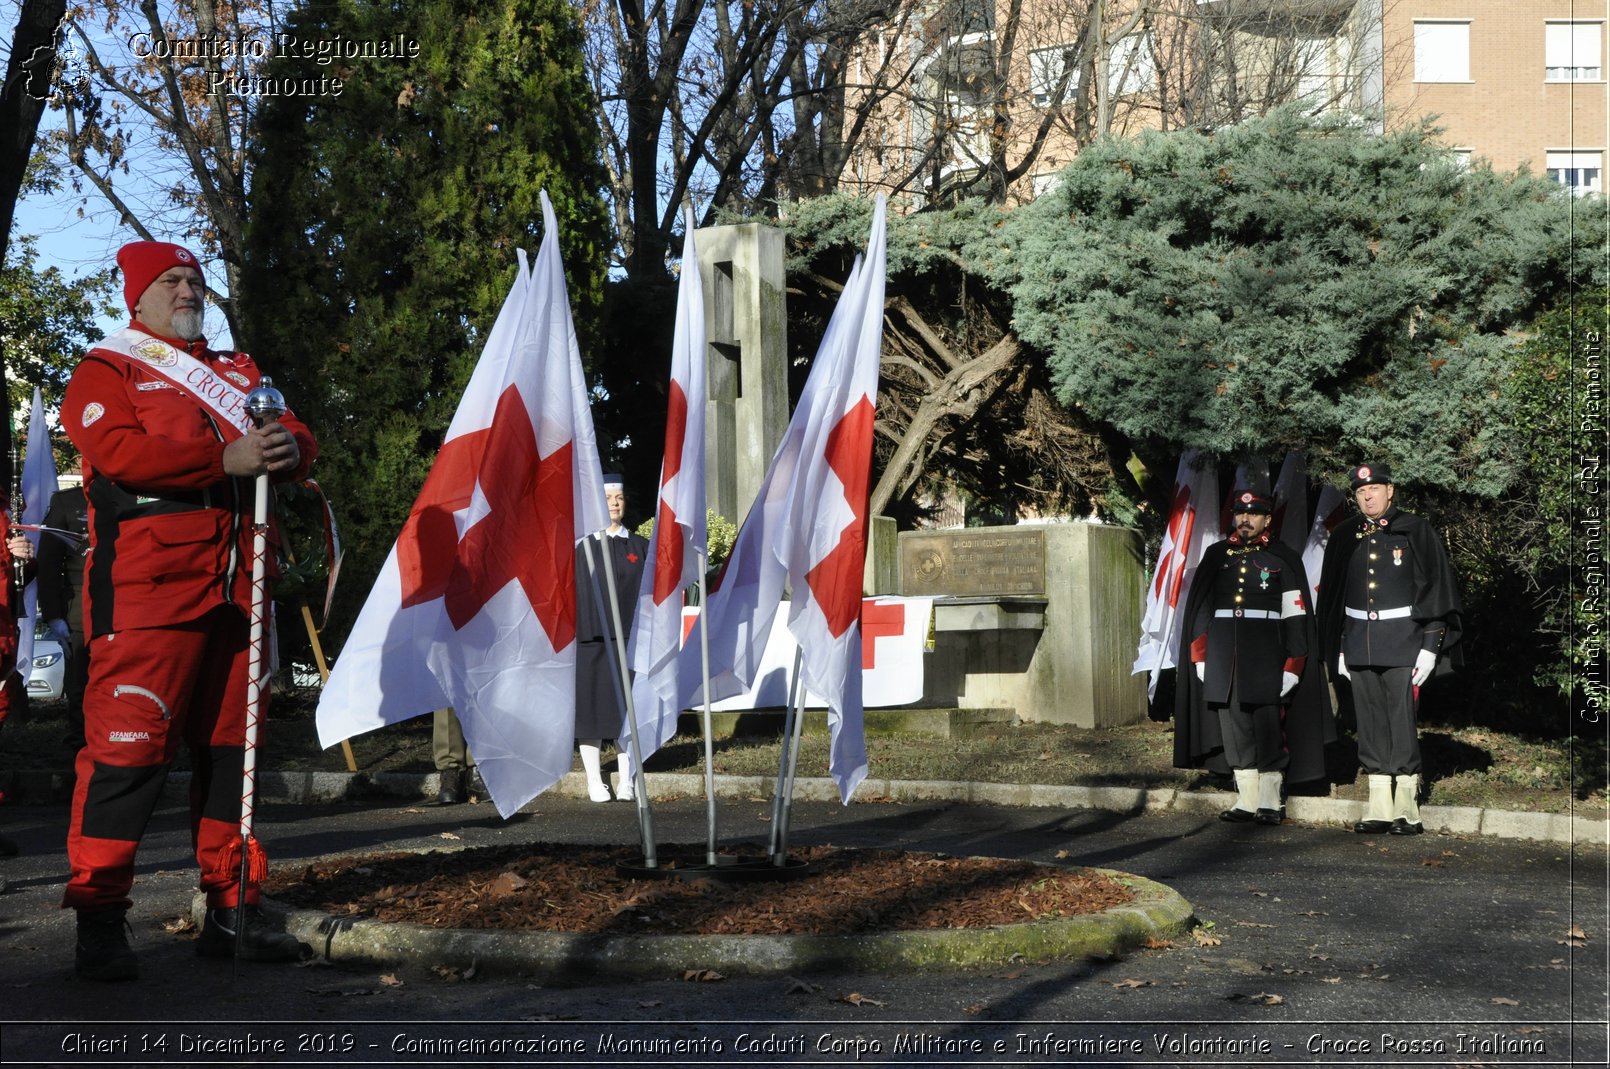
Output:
[[727, 869]]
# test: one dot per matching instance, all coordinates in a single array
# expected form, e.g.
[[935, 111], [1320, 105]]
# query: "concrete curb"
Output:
[[1157, 912], [322, 788], [1340, 812]]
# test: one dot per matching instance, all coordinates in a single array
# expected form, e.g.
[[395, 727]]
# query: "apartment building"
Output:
[[1512, 83], [975, 97]]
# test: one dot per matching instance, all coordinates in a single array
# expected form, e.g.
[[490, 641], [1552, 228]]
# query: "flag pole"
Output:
[[709, 745], [785, 762], [264, 404], [623, 690], [318, 654], [793, 766]]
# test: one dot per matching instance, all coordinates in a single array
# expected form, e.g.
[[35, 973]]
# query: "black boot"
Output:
[[103, 951], [262, 941], [450, 786]]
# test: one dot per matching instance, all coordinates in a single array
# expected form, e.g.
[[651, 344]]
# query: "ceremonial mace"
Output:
[[265, 404]]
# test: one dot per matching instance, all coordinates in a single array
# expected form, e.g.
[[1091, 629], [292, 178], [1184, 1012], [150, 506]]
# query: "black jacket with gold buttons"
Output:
[[1387, 591]]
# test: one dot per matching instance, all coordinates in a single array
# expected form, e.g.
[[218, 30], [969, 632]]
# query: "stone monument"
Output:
[[1037, 618], [746, 327]]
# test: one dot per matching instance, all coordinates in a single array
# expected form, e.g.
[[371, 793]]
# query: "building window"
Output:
[[1460, 157], [1571, 52], [1312, 59], [1580, 172], [1442, 51], [1045, 72], [1130, 65]]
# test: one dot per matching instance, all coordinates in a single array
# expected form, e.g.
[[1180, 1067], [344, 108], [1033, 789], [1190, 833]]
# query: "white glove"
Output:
[[1423, 664], [1201, 671], [1341, 666], [1288, 681]]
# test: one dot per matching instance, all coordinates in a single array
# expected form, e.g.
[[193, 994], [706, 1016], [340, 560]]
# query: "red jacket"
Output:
[[170, 533]]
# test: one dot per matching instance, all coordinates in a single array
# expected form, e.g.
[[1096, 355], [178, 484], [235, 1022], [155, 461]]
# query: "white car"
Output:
[[47, 675]]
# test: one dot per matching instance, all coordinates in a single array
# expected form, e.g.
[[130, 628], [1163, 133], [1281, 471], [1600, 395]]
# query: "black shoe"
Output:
[[1238, 816], [477, 784], [1269, 816], [262, 941], [1372, 827], [1403, 827], [103, 951], [451, 787], [8, 847]]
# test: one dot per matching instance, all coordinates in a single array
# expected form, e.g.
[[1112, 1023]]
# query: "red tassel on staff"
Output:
[[256, 860]]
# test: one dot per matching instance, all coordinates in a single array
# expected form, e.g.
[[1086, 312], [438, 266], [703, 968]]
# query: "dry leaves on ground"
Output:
[[578, 889]]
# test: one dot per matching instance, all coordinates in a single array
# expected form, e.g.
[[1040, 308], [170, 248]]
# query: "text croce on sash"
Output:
[[185, 373]]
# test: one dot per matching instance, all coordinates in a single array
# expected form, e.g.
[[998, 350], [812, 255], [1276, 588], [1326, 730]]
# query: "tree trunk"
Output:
[[22, 103]]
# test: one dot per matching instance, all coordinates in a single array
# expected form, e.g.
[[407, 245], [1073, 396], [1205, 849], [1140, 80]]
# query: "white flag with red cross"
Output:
[[808, 528], [476, 605], [681, 529], [1193, 525]]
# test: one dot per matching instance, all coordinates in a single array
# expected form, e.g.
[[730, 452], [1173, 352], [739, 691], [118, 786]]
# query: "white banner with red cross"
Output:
[[894, 635]]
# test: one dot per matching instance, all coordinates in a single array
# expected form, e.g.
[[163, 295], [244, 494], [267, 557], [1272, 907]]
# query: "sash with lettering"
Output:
[[183, 372]]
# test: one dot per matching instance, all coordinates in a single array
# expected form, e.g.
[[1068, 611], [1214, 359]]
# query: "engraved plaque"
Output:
[[971, 562]]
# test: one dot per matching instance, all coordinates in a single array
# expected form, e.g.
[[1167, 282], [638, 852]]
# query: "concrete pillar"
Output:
[[882, 573], [746, 325]]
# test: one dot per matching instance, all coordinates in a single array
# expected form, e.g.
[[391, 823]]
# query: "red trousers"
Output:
[[148, 689]]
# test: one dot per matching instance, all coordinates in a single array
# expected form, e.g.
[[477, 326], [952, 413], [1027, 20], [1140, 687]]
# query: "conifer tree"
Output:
[[1294, 283], [384, 222]]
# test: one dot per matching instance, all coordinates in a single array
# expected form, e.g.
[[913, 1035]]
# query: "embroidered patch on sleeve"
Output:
[[92, 412]]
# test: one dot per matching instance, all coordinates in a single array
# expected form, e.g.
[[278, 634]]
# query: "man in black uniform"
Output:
[[1389, 617], [61, 587], [1253, 701], [598, 700]]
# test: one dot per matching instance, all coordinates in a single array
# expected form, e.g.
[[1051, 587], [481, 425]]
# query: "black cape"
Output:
[[1436, 590], [1310, 722]]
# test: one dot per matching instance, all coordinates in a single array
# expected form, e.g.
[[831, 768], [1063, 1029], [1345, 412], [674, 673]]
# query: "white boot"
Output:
[[1246, 798], [625, 787], [1378, 813], [1269, 797], [592, 764], [1406, 806]]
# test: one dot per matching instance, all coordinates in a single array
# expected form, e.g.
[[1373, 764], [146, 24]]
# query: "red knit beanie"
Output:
[[143, 261]]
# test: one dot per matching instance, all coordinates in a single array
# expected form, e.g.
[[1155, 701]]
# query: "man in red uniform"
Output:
[[169, 459]]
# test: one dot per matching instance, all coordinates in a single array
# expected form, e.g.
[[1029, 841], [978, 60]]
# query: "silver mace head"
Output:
[[265, 404]]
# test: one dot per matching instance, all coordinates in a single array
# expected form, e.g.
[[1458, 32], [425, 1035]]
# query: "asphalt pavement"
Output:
[[1318, 947]]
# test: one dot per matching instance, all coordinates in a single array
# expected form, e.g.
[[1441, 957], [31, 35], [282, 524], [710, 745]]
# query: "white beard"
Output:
[[187, 324]]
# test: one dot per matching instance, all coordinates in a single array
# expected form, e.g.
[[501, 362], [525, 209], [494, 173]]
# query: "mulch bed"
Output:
[[563, 888]]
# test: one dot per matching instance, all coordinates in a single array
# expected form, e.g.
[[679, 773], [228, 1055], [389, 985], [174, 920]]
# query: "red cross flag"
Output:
[[1193, 525], [807, 529], [476, 605], [681, 530]]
